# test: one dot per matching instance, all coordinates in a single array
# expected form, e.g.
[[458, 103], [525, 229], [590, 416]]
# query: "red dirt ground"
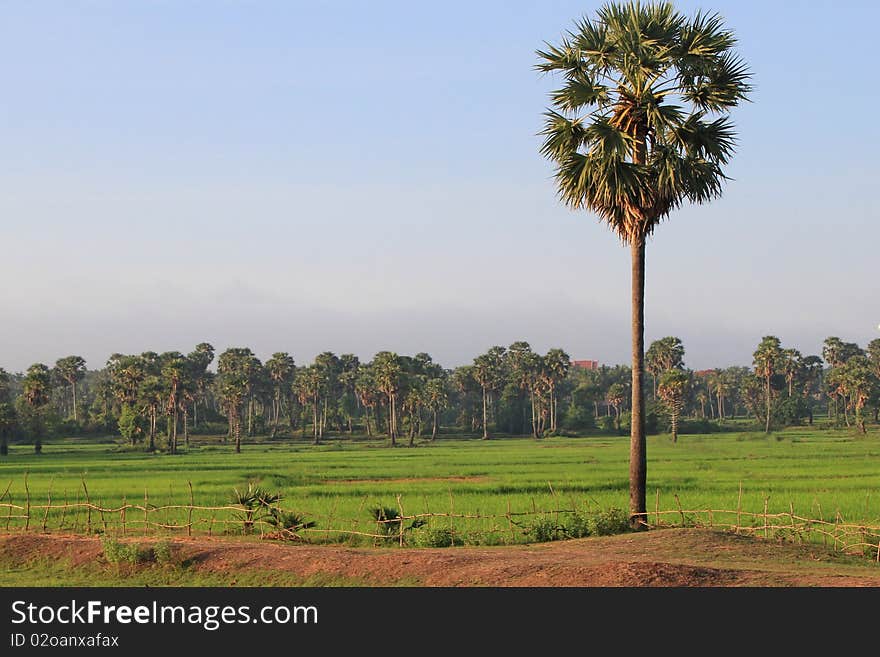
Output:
[[671, 557]]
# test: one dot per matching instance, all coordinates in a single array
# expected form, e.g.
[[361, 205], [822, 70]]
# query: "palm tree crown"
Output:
[[641, 124]]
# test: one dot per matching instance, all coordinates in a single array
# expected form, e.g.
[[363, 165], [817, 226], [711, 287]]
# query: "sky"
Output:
[[353, 177]]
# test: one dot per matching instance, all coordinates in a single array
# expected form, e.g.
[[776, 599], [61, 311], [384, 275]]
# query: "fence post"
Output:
[[122, 514], [766, 503], [63, 511], [88, 506], [739, 502], [8, 513], [510, 523], [657, 509], [48, 505], [680, 511], [27, 511], [400, 526], [146, 513], [189, 520], [451, 518]]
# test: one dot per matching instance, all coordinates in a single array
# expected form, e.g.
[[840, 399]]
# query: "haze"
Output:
[[352, 177]]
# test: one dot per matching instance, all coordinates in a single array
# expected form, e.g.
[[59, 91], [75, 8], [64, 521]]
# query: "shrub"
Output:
[[163, 553], [432, 537], [133, 553], [289, 521], [254, 500], [544, 530], [607, 522], [388, 521], [577, 526]]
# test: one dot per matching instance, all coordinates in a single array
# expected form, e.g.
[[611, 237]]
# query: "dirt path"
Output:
[[673, 557]]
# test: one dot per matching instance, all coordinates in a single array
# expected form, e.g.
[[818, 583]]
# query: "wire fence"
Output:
[[394, 526]]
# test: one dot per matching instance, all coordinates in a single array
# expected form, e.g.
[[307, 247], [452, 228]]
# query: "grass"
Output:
[[55, 573], [339, 482]]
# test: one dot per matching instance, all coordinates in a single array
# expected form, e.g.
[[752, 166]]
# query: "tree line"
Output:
[[157, 401]]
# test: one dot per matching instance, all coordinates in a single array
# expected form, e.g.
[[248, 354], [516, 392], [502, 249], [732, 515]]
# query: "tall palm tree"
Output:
[[388, 371], [8, 420], [557, 363], [174, 372], [71, 369], [768, 358], [35, 394], [488, 372], [641, 126], [281, 369]]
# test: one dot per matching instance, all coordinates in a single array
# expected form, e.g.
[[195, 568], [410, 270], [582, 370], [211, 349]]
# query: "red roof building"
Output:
[[586, 364]]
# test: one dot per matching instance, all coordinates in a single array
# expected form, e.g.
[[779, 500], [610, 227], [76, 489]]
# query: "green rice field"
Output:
[[818, 473]]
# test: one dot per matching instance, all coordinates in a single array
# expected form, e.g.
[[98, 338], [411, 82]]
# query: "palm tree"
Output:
[[858, 382], [768, 360], [640, 127], [388, 371], [368, 395], [8, 420], [488, 371], [236, 372], [791, 367], [36, 394], [174, 371], [663, 354], [200, 358], [281, 369], [71, 369], [436, 398], [673, 386], [557, 364]]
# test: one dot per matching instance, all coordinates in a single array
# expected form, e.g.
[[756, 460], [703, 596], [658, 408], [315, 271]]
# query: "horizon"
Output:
[[187, 173]]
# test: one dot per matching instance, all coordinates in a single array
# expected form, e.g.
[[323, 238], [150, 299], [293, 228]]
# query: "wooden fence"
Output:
[[144, 518]]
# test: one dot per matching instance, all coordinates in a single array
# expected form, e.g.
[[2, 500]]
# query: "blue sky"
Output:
[[351, 176]]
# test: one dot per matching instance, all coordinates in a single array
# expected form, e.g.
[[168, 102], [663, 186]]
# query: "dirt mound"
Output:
[[673, 557]]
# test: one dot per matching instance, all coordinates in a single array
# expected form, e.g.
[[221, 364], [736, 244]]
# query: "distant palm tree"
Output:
[[71, 369], [640, 127], [672, 389], [768, 358]]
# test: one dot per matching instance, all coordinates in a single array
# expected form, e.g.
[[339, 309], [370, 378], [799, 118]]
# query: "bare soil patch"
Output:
[[671, 557]]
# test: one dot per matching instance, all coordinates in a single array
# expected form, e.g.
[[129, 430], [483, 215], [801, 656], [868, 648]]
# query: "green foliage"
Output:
[[289, 521], [257, 503], [607, 522], [543, 530], [130, 424], [388, 521], [132, 553], [602, 522], [431, 537], [163, 553]]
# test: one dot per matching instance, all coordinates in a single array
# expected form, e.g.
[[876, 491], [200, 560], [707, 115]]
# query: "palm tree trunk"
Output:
[[638, 461], [236, 432], [174, 430], [434, 426], [75, 419], [767, 394], [185, 426], [251, 417], [485, 415], [315, 420], [392, 419]]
